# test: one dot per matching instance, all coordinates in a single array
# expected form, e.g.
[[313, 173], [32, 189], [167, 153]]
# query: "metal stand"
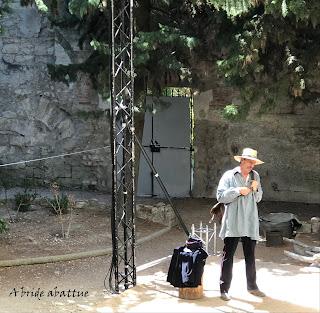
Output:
[[206, 234], [123, 269], [162, 186]]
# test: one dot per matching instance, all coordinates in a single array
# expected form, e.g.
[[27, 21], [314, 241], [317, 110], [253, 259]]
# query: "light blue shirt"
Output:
[[241, 212]]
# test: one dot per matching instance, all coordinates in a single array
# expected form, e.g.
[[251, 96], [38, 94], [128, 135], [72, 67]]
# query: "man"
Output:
[[240, 191]]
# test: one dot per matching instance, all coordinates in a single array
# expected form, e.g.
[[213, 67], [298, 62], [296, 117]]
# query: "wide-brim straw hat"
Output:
[[250, 154]]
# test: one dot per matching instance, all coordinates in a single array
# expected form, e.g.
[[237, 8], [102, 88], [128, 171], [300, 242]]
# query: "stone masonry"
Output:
[[40, 117], [287, 139]]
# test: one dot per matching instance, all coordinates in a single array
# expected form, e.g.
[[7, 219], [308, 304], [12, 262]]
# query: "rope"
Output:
[[53, 157]]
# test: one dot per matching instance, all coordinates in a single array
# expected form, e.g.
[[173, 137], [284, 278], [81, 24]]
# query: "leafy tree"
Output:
[[163, 43], [269, 49], [274, 53]]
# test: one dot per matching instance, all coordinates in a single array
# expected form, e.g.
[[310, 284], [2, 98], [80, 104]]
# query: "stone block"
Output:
[[41, 50], [30, 22], [315, 224], [61, 55], [9, 59], [26, 48], [10, 48], [24, 59], [94, 203], [18, 140], [81, 204], [160, 204], [4, 140], [158, 214], [44, 59], [22, 92]]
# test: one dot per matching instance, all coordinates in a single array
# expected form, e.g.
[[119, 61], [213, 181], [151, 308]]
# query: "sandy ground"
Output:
[[290, 286]]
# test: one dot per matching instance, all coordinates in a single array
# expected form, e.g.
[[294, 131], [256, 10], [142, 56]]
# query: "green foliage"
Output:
[[6, 181], [23, 201], [300, 10], [41, 6], [63, 73], [90, 114], [231, 111], [4, 9], [3, 226], [273, 65], [94, 66], [162, 51], [101, 47], [234, 7], [80, 8], [62, 204], [268, 49], [59, 204]]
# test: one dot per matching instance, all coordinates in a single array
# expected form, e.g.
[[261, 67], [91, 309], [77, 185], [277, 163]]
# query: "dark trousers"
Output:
[[230, 246]]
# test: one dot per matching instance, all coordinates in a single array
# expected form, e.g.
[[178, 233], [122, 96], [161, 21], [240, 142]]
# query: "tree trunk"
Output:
[[191, 293]]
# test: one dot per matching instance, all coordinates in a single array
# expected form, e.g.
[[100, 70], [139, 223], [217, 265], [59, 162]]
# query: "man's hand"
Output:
[[254, 185], [244, 191]]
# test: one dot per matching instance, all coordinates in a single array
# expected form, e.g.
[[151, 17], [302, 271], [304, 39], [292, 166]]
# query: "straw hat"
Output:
[[250, 154]]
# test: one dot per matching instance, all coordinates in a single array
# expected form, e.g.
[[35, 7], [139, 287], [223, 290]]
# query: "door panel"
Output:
[[172, 125], [170, 128]]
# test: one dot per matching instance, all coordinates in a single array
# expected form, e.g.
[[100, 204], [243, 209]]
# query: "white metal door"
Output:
[[166, 139]]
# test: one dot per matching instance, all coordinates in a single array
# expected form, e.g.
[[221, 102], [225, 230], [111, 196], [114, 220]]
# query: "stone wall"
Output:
[[40, 117], [287, 139]]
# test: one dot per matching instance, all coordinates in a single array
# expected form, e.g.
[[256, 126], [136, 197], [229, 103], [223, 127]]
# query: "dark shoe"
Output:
[[224, 296], [257, 293]]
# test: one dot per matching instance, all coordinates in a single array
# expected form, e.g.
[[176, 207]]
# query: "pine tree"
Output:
[[267, 49]]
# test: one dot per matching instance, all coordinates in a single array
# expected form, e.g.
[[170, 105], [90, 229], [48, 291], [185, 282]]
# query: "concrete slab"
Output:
[[289, 289]]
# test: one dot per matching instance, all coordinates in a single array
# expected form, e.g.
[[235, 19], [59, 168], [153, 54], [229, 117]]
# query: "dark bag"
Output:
[[217, 212]]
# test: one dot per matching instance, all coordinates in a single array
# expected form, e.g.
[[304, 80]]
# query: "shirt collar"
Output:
[[236, 170]]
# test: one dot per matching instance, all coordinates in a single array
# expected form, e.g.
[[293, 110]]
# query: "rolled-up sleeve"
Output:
[[227, 193]]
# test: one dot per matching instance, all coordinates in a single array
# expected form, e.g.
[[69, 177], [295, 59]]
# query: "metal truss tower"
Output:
[[122, 136]]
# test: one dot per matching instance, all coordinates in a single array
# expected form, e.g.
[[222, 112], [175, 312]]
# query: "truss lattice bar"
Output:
[[122, 136]]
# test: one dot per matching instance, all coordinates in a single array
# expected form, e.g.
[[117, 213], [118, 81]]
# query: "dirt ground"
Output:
[[37, 233]]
